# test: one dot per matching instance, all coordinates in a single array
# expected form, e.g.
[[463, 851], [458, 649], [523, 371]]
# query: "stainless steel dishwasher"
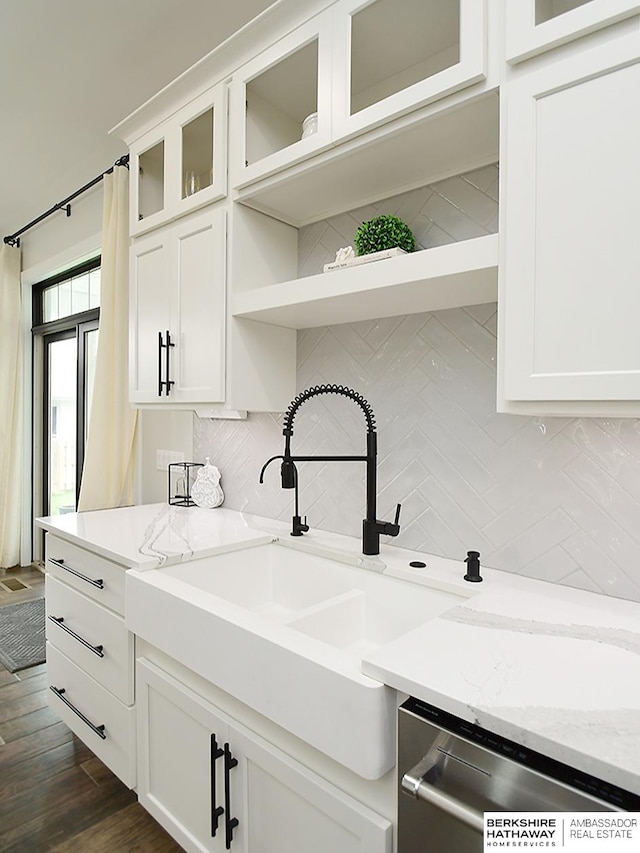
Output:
[[450, 772]]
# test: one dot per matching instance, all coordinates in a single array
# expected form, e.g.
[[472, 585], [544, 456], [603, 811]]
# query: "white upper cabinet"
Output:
[[177, 312], [181, 164], [281, 101], [570, 221], [385, 78], [534, 26], [392, 56]]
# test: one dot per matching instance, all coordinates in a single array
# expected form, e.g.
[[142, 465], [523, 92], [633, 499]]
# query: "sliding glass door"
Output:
[[65, 338]]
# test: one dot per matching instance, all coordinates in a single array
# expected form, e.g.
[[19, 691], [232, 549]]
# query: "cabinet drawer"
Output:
[[95, 576], [92, 637], [93, 714]]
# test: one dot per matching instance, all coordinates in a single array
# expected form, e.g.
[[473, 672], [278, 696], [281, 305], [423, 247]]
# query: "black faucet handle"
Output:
[[298, 526], [390, 528]]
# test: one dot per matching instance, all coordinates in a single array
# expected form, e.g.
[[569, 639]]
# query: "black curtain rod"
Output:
[[14, 239]]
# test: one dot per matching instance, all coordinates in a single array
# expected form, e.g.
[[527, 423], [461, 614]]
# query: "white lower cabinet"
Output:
[[90, 653], [214, 784]]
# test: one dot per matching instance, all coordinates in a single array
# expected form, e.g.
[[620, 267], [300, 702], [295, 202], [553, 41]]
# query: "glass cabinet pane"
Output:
[[396, 43], [279, 101], [197, 154], [548, 9], [151, 181]]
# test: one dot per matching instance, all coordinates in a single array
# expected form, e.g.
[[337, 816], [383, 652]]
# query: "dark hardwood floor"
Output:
[[55, 795]]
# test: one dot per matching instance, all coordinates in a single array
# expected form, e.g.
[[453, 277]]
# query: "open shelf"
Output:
[[464, 273], [423, 147]]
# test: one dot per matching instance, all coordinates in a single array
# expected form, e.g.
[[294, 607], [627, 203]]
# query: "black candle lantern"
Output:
[[182, 476]]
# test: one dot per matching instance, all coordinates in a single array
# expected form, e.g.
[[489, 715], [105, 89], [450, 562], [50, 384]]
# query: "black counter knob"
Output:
[[473, 567]]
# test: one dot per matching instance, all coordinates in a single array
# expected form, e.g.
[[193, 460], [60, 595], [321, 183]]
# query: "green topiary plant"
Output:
[[384, 232]]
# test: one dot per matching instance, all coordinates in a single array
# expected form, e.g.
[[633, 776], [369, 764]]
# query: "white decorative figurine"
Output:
[[207, 491], [345, 254]]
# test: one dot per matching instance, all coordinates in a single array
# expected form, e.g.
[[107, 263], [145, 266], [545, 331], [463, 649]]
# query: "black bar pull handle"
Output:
[[99, 730], [168, 382], [97, 650], [160, 382], [216, 811], [230, 823], [98, 582]]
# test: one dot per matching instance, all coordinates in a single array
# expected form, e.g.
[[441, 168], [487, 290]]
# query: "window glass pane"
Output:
[[62, 426], [80, 293], [94, 288], [91, 349], [50, 306], [64, 299]]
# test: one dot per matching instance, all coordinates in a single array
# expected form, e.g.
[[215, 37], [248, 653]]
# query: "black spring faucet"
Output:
[[372, 529]]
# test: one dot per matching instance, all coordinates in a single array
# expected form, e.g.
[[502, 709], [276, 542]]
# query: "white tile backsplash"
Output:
[[551, 498]]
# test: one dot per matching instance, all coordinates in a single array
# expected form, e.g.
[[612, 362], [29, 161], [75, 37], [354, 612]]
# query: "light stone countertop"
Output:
[[152, 535], [554, 668]]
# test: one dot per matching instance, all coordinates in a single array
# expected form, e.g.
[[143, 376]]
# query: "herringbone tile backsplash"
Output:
[[551, 498]]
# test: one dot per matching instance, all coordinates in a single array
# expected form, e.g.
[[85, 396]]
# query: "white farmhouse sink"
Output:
[[285, 631]]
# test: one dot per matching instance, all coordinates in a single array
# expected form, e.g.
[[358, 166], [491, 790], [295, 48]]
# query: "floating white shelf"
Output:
[[450, 276]]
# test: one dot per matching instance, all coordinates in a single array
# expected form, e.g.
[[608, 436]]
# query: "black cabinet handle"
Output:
[[230, 823], [167, 382], [216, 811], [99, 730], [99, 583], [97, 650], [160, 382]]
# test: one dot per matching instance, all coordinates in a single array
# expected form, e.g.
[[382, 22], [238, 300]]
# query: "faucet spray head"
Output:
[[288, 473]]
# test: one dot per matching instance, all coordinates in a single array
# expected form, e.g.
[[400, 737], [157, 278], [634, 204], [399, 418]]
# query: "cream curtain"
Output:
[[109, 465], [10, 405]]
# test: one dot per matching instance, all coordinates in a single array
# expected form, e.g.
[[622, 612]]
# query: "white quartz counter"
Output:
[[551, 667], [145, 537]]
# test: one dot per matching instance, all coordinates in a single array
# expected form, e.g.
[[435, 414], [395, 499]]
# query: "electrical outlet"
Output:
[[165, 457]]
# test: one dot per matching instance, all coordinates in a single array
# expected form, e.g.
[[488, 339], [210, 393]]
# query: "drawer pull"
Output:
[[99, 730], [99, 583], [97, 650]]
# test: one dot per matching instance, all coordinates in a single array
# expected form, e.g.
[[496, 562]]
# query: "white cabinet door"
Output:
[[570, 219], [181, 777], [177, 312], [392, 56], [273, 94], [181, 164], [215, 785], [287, 808], [199, 327], [534, 26], [150, 295]]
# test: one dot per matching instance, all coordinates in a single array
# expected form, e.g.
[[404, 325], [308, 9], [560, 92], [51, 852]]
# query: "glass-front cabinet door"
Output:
[[281, 102], [393, 56], [535, 26], [180, 165]]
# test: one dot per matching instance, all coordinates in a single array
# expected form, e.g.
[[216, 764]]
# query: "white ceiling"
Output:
[[72, 69]]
